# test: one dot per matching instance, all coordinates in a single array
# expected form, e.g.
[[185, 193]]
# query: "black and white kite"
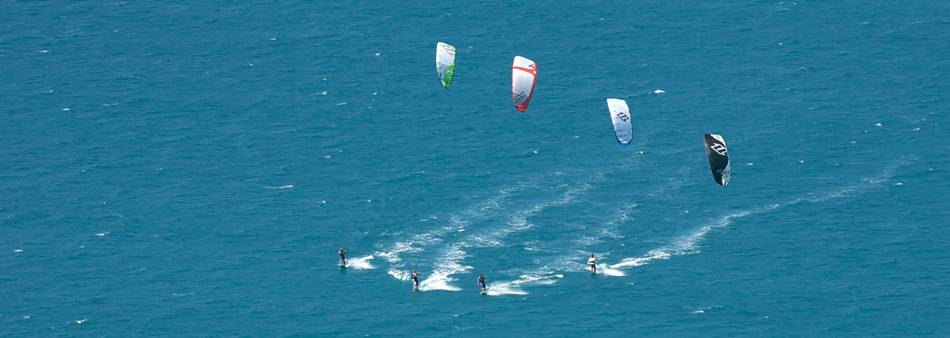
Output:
[[718, 158]]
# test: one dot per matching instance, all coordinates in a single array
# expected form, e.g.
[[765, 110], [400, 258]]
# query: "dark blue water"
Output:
[[179, 169]]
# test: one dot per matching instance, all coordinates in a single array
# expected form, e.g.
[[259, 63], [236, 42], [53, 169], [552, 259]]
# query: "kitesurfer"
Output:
[[342, 257], [415, 279], [592, 263], [481, 283]]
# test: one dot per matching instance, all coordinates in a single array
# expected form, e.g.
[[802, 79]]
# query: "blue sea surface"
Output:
[[191, 168]]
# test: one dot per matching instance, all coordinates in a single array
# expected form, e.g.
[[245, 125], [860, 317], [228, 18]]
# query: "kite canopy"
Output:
[[445, 63], [718, 158], [620, 116], [523, 75]]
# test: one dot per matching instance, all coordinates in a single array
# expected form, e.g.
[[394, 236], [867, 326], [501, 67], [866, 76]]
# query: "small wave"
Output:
[[703, 309], [608, 271], [504, 290], [399, 274], [414, 244], [515, 287], [289, 186], [638, 261], [439, 281], [449, 265], [361, 263], [531, 246]]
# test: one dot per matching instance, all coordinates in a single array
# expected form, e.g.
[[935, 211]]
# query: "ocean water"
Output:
[[191, 168]]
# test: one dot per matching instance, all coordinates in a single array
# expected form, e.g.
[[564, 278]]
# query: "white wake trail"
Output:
[[689, 243], [576, 260], [516, 287], [360, 263], [684, 245], [457, 222], [450, 263]]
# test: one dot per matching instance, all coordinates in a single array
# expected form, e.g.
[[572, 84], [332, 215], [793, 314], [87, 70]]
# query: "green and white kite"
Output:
[[445, 63]]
